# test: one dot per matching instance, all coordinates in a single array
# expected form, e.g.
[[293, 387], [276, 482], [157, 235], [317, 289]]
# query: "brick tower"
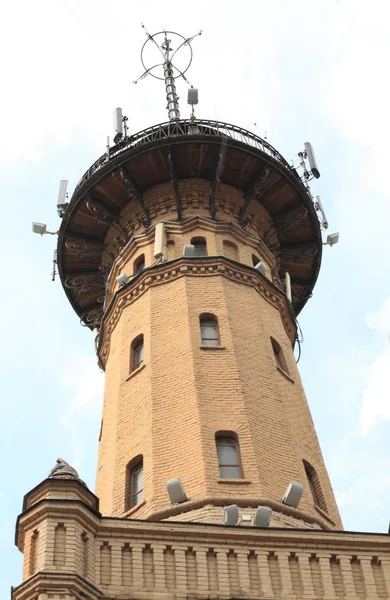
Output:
[[177, 249]]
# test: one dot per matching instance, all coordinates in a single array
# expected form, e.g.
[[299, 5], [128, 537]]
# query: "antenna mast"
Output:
[[171, 72], [170, 86]]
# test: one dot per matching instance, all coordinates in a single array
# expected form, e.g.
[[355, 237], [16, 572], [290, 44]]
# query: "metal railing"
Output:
[[182, 128]]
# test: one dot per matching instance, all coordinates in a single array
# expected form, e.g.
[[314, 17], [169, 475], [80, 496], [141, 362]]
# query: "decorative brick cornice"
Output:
[[211, 266], [57, 585]]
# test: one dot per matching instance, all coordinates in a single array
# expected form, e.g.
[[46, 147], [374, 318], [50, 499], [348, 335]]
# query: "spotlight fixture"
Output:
[[332, 239], [122, 279], [293, 494], [41, 229], [230, 515], [262, 517], [176, 491]]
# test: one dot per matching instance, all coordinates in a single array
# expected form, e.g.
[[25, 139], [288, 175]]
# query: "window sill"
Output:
[[287, 376], [324, 514], [234, 481], [213, 347], [133, 510], [135, 372]]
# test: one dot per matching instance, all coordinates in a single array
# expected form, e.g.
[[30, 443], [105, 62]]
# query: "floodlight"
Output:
[[176, 491], [230, 515], [262, 267], [332, 239], [189, 250], [293, 494], [39, 228], [262, 517], [122, 279]]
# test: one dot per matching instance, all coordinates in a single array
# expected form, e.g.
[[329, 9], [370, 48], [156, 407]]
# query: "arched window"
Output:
[[139, 264], [137, 353], [230, 250], [209, 330], [228, 453], [280, 359], [255, 260], [315, 486], [134, 482], [200, 246]]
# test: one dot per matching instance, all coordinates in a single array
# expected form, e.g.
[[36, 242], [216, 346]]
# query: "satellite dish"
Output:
[[312, 160]]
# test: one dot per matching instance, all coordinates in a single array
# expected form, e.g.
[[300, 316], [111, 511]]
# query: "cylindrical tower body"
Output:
[[201, 380]]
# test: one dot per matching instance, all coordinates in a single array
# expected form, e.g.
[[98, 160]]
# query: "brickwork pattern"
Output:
[[130, 559], [170, 410]]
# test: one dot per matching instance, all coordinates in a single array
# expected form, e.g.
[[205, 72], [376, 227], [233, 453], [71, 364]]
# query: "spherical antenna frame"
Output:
[[185, 41]]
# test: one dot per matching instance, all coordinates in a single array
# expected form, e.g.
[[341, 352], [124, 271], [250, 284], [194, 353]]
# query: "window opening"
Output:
[[209, 331], [229, 462]]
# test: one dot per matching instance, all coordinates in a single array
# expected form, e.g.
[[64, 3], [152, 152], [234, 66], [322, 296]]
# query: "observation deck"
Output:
[[170, 153]]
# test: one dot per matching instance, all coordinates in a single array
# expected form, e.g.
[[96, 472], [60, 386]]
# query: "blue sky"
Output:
[[300, 71]]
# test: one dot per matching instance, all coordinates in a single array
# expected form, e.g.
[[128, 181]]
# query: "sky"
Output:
[[295, 71]]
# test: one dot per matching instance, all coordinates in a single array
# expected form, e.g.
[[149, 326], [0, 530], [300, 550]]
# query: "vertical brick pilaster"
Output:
[[138, 567], [265, 577], [243, 573], [368, 576], [285, 574], [159, 566], [349, 584], [304, 567], [385, 562], [223, 573], [116, 564], [201, 568], [180, 566], [326, 576]]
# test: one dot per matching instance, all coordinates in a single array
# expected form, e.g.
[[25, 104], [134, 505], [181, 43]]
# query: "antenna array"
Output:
[[163, 43]]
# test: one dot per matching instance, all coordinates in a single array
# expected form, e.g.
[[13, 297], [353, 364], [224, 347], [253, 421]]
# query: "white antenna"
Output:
[[118, 125], [307, 175], [309, 152], [62, 197]]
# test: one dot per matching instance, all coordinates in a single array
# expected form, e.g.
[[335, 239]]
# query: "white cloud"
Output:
[[81, 379], [375, 405]]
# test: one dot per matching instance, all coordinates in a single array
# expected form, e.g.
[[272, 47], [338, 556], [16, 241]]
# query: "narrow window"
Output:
[[315, 486], [229, 462], [200, 246], [209, 330], [255, 260], [230, 250], [139, 264], [280, 359], [134, 483], [137, 353]]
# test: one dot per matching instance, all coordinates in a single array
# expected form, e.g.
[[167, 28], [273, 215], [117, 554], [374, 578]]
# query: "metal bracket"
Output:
[[175, 185], [101, 213], [252, 193], [215, 183], [132, 189]]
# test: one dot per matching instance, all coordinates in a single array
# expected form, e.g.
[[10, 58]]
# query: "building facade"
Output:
[[177, 249]]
